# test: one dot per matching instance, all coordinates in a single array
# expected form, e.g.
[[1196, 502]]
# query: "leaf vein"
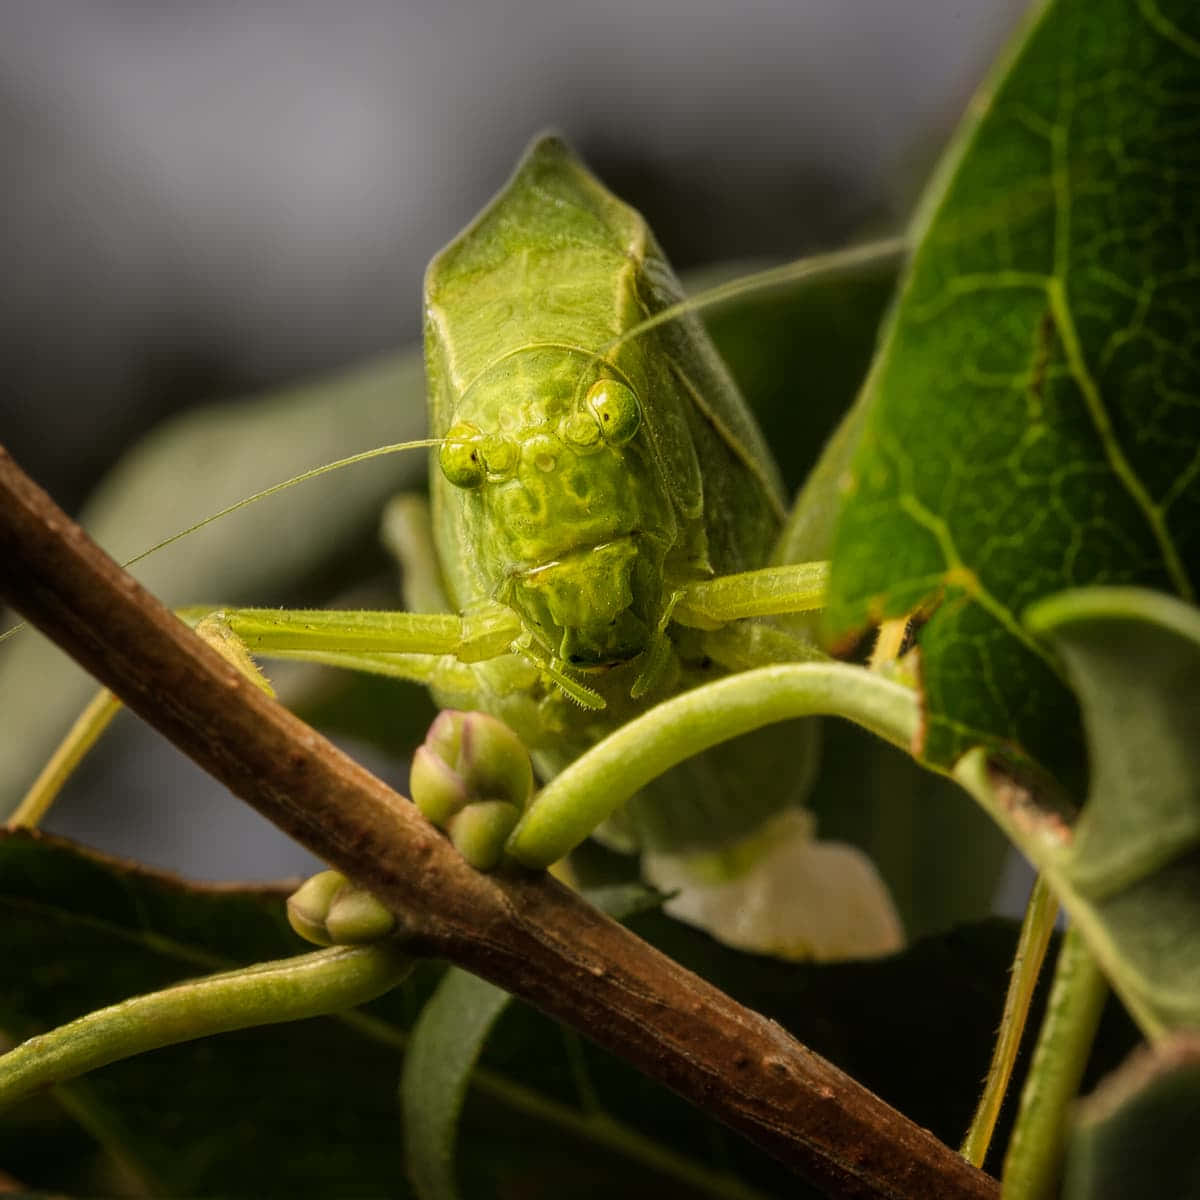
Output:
[[1120, 464], [1166, 28], [959, 575]]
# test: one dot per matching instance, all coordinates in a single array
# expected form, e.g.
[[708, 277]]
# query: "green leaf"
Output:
[[296, 1109], [1127, 871], [170, 480], [1136, 1134], [310, 1108], [1033, 417], [1133, 658], [446, 1043]]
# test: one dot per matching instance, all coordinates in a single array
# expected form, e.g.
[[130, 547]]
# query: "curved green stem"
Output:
[[290, 989], [592, 788], [1040, 914], [1031, 1167]]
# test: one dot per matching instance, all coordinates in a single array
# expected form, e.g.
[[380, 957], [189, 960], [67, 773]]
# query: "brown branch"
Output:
[[526, 933]]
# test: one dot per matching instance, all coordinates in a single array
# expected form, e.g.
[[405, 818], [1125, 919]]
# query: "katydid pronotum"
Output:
[[597, 569]]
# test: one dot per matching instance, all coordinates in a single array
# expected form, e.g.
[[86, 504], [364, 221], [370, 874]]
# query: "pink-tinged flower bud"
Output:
[[329, 910], [472, 777]]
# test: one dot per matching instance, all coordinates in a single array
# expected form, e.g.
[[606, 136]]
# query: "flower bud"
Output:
[[480, 831], [329, 910], [473, 778]]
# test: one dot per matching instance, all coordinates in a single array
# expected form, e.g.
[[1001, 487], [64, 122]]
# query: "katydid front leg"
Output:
[[422, 647]]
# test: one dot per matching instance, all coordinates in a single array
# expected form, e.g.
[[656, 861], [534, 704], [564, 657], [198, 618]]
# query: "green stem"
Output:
[[1034, 1159], [1036, 928], [89, 725], [290, 989], [592, 788]]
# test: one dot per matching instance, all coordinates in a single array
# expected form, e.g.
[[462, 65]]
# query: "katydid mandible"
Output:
[[603, 507]]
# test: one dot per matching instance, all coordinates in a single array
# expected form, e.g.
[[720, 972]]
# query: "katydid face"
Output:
[[565, 502]]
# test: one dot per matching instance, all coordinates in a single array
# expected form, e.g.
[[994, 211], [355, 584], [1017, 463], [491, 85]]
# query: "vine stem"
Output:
[[528, 934], [1034, 1158], [290, 989], [599, 782]]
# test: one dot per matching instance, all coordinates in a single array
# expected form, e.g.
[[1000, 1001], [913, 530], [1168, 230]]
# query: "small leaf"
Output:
[[1135, 1135], [1134, 659], [446, 1043], [1128, 870]]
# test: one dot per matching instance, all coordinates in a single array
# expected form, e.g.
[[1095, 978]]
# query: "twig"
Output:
[[526, 933]]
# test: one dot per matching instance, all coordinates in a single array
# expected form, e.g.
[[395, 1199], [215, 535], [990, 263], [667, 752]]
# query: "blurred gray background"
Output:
[[207, 198]]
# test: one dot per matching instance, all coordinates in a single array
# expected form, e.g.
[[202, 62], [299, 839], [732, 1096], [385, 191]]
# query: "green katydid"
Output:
[[603, 533], [603, 505]]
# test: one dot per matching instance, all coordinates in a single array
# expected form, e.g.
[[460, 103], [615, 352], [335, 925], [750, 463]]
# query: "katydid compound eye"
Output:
[[616, 410], [580, 429], [499, 457], [461, 456]]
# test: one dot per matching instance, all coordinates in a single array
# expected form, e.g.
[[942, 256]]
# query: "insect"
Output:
[[603, 509]]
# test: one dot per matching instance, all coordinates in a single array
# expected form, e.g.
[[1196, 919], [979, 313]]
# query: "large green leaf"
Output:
[[1128, 870], [1033, 420], [310, 1108]]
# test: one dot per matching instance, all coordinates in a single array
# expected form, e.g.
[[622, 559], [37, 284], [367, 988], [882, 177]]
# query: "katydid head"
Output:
[[559, 492]]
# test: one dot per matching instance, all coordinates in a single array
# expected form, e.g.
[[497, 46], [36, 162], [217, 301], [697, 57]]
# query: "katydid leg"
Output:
[[769, 591], [426, 648]]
